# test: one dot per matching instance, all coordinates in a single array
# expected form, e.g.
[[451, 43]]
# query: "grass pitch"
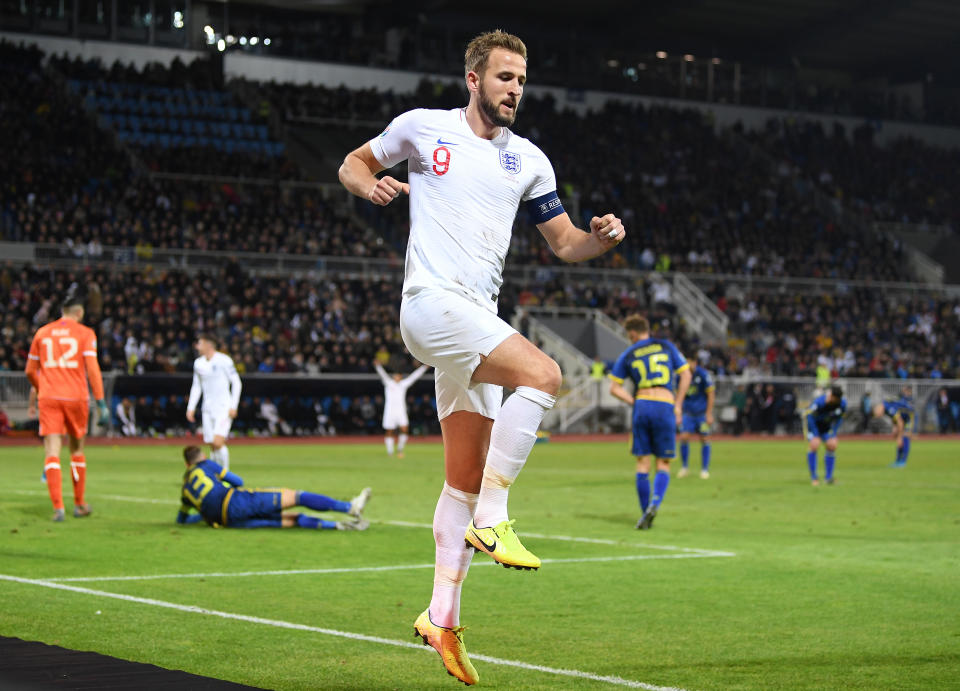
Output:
[[749, 580]]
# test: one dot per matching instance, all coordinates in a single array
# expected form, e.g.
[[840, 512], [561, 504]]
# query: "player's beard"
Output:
[[492, 110]]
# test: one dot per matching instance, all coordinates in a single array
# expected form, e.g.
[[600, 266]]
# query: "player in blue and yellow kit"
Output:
[[697, 419], [222, 501], [821, 422], [901, 416], [651, 364]]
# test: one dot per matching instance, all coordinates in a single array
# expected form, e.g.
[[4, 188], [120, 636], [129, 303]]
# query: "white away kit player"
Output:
[[395, 406], [468, 175], [215, 378]]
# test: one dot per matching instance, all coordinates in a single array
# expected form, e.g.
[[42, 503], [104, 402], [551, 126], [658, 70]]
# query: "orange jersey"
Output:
[[62, 357]]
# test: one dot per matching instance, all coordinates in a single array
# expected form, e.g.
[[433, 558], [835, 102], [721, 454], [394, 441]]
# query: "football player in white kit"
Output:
[[216, 378], [395, 406], [468, 175]]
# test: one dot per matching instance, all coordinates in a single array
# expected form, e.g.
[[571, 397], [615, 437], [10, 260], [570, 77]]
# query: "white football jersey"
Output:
[[395, 392], [218, 381], [464, 195]]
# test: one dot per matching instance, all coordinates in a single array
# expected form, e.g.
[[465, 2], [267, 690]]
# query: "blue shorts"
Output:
[[246, 504], [695, 424], [654, 429], [824, 433]]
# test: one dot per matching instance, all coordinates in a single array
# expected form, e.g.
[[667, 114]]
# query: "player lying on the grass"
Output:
[[223, 502], [901, 417]]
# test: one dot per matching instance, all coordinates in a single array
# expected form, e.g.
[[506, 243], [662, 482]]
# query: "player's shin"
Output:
[[401, 442], [51, 467], [904, 450], [224, 457], [643, 490], [812, 464], [321, 502], [660, 482], [829, 459], [450, 520], [684, 453], [705, 456], [511, 440], [78, 473], [388, 442]]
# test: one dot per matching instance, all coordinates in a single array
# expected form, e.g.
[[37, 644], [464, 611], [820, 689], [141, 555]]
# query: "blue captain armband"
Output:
[[545, 207]]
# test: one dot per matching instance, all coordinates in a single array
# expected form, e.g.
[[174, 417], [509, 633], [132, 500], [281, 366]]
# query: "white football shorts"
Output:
[[215, 424], [451, 332], [395, 418]]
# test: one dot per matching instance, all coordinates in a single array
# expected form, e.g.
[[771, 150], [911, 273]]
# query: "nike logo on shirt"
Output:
[[443, 143]]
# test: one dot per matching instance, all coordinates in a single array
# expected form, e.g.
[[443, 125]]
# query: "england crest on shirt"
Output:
[[510, 161]]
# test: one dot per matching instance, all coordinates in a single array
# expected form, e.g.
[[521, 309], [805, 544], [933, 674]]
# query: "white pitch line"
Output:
[[409, 524], [589, 540], [361, 569], [614, 680]]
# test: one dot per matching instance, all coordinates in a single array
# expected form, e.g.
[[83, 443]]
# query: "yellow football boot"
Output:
[[501, 543], [449, 643]]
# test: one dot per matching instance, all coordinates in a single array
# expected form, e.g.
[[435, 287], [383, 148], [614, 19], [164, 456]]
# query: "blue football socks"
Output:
[[684, 453], [305, 521], [660, 482], [829, 459], [643, 490], [705, 456], [812, 463], [904, 450], [320, 502]]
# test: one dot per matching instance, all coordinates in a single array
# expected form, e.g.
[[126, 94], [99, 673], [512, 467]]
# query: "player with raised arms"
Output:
[[396, 423], [468, 174], [215, 378], [62, 360]]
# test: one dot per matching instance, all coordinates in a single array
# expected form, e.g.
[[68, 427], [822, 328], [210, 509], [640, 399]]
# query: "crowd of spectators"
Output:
[[146, 322], [906, 181]]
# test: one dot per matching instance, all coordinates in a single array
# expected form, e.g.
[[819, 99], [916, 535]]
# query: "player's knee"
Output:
[[831, 445], [546, 376]]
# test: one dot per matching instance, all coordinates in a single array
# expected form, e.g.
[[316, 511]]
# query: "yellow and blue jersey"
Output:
[[902, 408], [649, 363], [204, 490], [700, 383], [823, 419]]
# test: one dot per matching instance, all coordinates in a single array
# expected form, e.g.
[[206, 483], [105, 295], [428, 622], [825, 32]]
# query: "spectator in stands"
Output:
[[127, 417]]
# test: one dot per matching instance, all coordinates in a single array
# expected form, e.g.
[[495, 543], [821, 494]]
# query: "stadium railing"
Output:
[[585, 409], [61, 255]]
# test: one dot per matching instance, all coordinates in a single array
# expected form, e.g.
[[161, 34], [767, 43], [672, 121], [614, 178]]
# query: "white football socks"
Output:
[[450, 521], [401, 442], [388, 442], [222, 457], [511, 440]]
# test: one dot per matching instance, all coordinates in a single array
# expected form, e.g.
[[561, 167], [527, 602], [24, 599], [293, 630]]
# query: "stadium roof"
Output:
[[864, 36]]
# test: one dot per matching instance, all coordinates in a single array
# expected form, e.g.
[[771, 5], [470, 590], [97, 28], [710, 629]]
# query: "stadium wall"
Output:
[[261, 68]]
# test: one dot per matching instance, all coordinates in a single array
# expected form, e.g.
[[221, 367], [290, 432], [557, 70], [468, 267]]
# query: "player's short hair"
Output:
[[207, 336], [638, 323], [836, 391], [73, 298], [192, 454], [479, 49]]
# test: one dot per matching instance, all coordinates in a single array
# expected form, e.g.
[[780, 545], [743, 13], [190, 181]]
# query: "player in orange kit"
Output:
[[63, 357]]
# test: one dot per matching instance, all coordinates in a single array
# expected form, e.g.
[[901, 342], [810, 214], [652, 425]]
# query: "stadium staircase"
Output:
[[573, 337]]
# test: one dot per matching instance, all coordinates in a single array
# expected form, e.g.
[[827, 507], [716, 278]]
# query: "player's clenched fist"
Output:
[[609, 230], [386, 190]]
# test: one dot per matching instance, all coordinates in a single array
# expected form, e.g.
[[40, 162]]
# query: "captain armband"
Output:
[[545, 207]]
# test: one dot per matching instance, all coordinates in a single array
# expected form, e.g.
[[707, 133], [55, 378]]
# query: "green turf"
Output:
[[849, 586]]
